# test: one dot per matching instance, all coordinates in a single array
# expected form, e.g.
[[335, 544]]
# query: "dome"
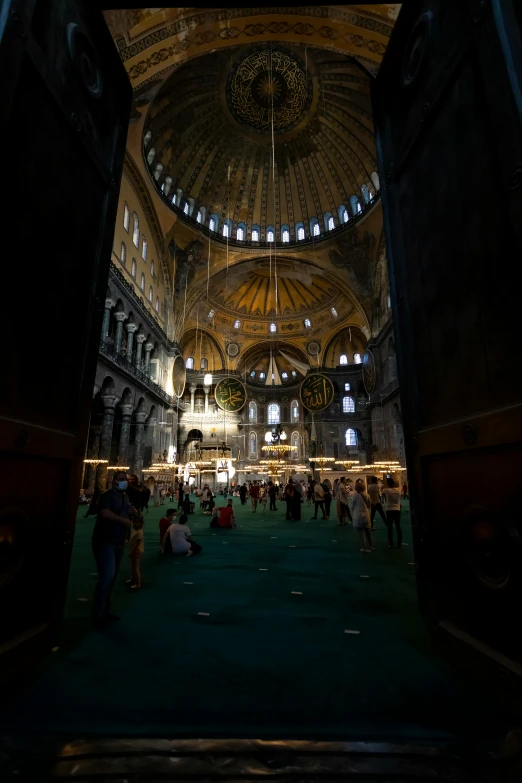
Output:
[[257, 364], [209, 132]]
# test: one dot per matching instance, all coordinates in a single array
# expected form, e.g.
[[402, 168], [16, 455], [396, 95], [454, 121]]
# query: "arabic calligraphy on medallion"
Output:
[[230, 395], [317, 392], [368, 372], [266, 80], [179, 376]]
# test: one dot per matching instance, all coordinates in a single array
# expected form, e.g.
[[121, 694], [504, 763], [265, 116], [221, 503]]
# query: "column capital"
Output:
[[149, 346], [140, 338], [109, 400], [140, 418], [131, 327], [120, 316], [109, 303], [193, 388], [126, 410]]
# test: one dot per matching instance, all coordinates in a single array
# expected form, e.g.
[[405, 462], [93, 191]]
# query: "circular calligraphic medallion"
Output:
[[230, 395], [232, 350], [179, 376], [316, 392], [368, 372]]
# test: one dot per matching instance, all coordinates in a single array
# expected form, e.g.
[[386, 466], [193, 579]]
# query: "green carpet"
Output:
[[265, 662]]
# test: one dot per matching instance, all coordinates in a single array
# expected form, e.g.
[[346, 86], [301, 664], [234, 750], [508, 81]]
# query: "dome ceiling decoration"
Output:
[[208, 142], [278, 358]]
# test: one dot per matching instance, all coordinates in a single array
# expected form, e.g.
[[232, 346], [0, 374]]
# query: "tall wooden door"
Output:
[[447, 104], [63, 126]]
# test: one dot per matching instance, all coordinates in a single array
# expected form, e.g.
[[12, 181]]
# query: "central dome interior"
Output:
[[265, 143]]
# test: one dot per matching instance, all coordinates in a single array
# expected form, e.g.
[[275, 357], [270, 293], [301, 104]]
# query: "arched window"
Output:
[[365, 192], [151, 155], [328, 221], [253, 444], [284, 375], [274, 416], [252, 409], [273, 328], [142, 282], [203, 365], [144, 248], [347, 386], [241, 232], [157, 305], [357, 358], [186, 208], [285, 233], [133, 269], [151, 294], [126, 217], [262, 376], [307, 323], [123, 254], [314, 227], [333, 312], [300, 231], [189, 364], [270, 234], [375, 179], [152, 268], [191, 203], [343, 359], [147, 138], [199, 216], [157, 171], [343, 214], [295, 445], [294, 374], [294, 410], [237, 324], [136, 231], [255, 233], [351, 437], [253, 374], [348, 405], [355, 205], [213, 223], [167, 185], [227, 228], [211, 314]]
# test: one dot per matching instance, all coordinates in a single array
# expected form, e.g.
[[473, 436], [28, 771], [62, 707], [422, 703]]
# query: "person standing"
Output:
[[298, 498], [272, 494], [327, 499], [243, 493], [108, 541], [405, 490], [180, 494], [375, 500], [393, 511], [289, 498], [137, 548], [254, 496], [318, 499], [360, 507]]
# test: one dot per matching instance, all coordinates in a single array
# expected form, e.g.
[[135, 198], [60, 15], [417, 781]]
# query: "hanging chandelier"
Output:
[[275, 443], [322, 462], [348, 464]]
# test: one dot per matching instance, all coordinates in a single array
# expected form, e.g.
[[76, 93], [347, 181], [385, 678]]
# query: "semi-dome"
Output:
[[265, 143]]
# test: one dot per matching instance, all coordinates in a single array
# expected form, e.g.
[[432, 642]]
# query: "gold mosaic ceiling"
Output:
[[211, 129]]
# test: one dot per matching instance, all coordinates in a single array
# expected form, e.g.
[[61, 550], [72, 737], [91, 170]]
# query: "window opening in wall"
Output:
[[225, 230], [331, 223], [255, 234], [186, 208], [126, 217], [142, 282], [357, 358], [237, 324], [343, 359], [348, 405], [270, 235], [123, 254], [157, 305], [203, 365], [317, 230], [333, 312], [211, 314], [294, 374], [136, 231], [273, 328], [152, 268], [347, 386], [351, 437], [307, 323], [262, 376], [252, 411], [253, 440], [144, 249], [133, 270], [150, 156], [212, 224], [284, 375], [198, 216], [274, 416], [253, 374], [300, 233], [189, 364], [295, 411], [286, 235], [151, 295], [240, 234]]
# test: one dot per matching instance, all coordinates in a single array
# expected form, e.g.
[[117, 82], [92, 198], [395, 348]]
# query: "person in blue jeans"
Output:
[[108, 540]]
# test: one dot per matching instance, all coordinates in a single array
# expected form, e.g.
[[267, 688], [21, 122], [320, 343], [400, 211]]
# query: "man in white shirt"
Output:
[[375, 500], [180, 539], [318, 499]]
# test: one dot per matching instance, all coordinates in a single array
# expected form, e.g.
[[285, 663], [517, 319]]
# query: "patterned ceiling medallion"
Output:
[[232, 350], [368, 372], [264, 79], [179, 376], [313, 348]]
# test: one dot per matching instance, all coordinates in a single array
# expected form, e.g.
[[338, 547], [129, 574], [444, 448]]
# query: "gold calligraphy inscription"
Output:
[[230, 395], [317, 392]]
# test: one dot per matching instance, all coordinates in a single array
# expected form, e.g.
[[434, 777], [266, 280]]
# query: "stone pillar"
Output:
[[148, 349], [192, 393], [120, 317], [206, 398], [131, 328], [94, 451], [123, 450], [109, 401], [106, 317], [138, 443], [140, 339]]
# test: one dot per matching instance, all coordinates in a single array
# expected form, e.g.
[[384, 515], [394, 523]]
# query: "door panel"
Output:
[[63, 130], [449, 137]]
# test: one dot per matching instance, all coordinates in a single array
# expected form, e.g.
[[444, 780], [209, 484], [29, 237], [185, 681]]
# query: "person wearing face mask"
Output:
[[108, 540]]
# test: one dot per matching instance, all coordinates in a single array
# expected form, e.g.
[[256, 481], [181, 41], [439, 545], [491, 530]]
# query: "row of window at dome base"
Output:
[[350, 439], [312, 228]]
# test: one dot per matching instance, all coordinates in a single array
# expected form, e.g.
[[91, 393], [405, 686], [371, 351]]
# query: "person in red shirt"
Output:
[[166, 521], [226, 515], [254, 496]]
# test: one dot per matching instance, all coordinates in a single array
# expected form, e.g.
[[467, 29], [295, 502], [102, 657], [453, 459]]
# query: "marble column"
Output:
[[93, 452], [106, 318], [138, 443], [120, 318], [206, 398], [131, 328], [192, 393], [140, 339], [148, 349], [123, 449], [109, 401]]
